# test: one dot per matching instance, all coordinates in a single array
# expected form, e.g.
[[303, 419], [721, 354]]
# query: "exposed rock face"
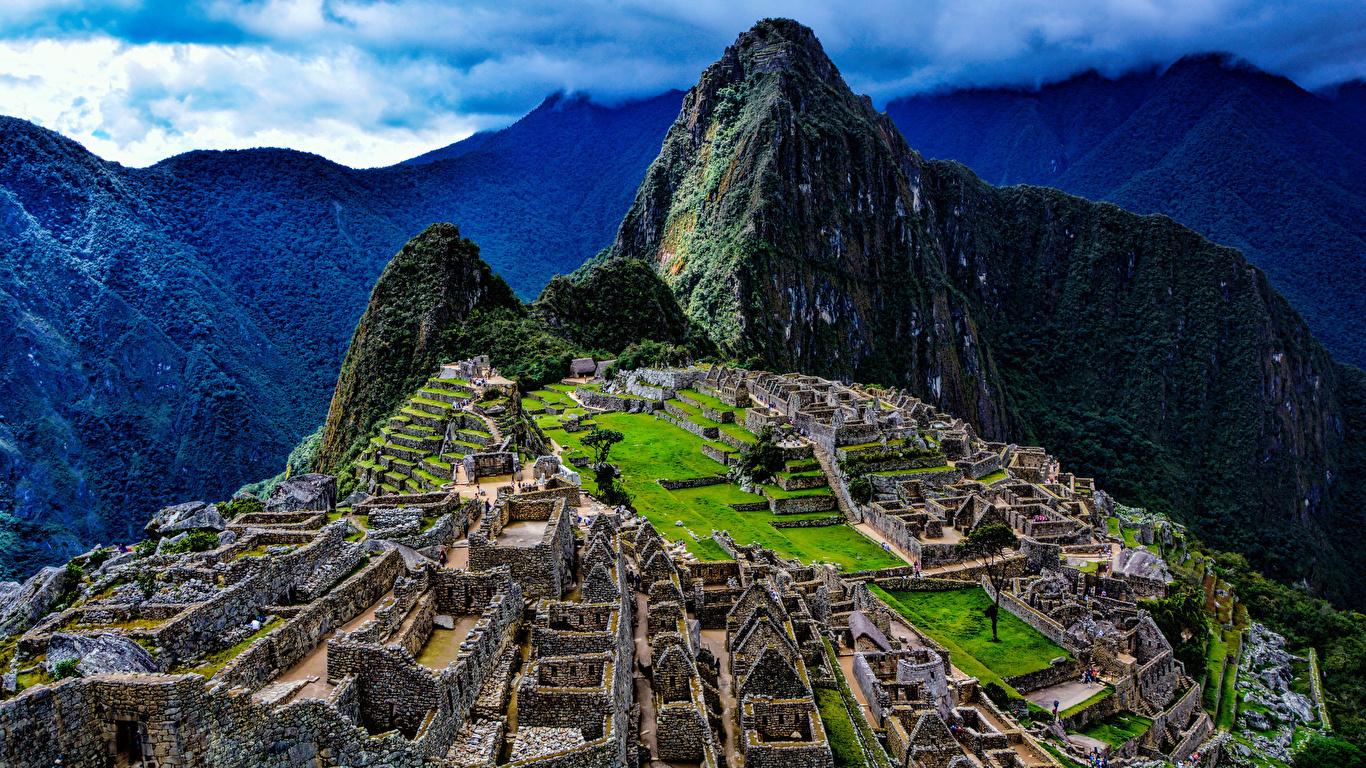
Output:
[[1142, 563], [796, 227], [180, 518], [313, 492], [787, 215], [98, 654], [1264, 681], [23, 604]]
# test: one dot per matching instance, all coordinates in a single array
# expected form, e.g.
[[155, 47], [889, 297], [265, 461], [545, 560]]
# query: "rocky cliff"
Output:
[[800, 231]]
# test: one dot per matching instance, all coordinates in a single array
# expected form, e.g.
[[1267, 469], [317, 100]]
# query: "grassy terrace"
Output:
[[1118, 729], [839, 728], [1090, 701], [217, 661], [654, 449], [958, 621]]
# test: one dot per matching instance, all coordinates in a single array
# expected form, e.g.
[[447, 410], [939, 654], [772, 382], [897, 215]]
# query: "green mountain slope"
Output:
[[799, 230], [438, 301], [1244, 157]]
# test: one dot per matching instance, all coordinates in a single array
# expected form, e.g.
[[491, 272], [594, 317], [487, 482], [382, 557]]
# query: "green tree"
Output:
[[991, 543], [1181, 617], [861, 488], [601, 442], [1326, 750], [760, 459]]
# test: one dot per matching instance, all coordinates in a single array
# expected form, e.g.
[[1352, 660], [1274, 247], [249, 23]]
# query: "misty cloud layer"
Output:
[[372, 83]]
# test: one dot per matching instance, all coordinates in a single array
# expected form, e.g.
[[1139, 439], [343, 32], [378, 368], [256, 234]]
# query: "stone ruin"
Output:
[[415, 626]]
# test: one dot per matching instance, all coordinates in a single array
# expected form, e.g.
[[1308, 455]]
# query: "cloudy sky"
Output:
[[371, 82]]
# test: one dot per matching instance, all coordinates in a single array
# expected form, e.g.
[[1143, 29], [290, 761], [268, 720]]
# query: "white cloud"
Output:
[[140, 104], [370, 82]]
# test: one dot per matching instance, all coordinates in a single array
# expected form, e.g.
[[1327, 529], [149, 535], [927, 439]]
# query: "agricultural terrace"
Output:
[[957, 619], [655, 449]]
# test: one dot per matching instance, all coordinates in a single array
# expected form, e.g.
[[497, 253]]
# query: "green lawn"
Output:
[[839, 729], [1228, 700], [739, 432], [1215, 654], [999, 474], [713, 402], [654, 449], [694, 413], [957, 620], [1118, 729], [214, 662]]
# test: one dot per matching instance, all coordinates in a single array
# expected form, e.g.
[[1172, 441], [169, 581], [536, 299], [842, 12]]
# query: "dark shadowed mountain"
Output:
[[170, 332], [800, 231], [1246, 158]]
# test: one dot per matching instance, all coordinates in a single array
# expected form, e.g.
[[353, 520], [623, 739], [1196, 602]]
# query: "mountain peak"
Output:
[[781, 46]]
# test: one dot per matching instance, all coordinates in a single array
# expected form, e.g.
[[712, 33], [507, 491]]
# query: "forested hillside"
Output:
[[170, 332], [1246, 158]]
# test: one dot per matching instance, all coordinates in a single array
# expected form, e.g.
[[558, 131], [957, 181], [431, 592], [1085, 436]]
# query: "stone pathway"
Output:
[[312, 668], [1067, 694]]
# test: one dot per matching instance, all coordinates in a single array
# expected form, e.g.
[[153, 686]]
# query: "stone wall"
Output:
[[798, 505], [184, 722], [1046, 626], [286, 646], [692, 482], [815, 522], [540, 569]]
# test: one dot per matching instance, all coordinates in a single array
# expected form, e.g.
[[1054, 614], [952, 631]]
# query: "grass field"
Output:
[[1118, 729], [957, 620], [654, 449]]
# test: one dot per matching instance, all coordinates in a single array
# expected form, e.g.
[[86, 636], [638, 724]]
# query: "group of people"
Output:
[[1090, 675], [1096, 760]]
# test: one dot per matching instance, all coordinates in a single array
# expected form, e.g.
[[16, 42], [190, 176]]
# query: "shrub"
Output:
[[861, 488], [99, 557], [66, 668], [1327, 750], [194, 541], [760, 459], [144, 548], [240, 505], [146, 579]]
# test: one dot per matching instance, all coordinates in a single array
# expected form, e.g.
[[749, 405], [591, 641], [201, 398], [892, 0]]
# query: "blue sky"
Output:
[[371, 82]]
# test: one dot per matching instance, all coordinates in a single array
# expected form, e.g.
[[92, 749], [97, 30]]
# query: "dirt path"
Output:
[[1067, 694], [314, 663], [715, 641]]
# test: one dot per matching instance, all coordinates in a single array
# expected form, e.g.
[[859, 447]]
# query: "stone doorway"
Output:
[[131, 747]]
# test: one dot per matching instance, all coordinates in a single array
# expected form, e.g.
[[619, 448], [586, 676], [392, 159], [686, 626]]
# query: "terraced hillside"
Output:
[[418, 448]]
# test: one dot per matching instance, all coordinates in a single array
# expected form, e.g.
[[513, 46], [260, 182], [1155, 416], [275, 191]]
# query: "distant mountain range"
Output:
[[1246, 158], [170, 332]]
